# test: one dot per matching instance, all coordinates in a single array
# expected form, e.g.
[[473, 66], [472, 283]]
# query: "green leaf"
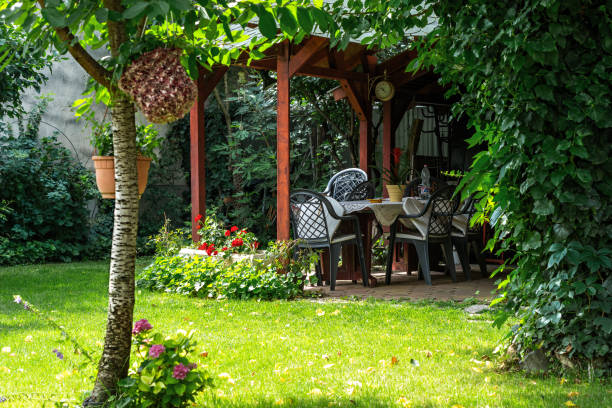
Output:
[[54, 17], [101, 15], [135, 11], [267, 24], [305, 19], [288, 23], [181, 5], [545, 92], [321, 18], [179, 388], [543, 207]]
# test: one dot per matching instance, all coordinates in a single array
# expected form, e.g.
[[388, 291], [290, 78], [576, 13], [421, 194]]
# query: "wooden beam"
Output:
[[339, 93], [396, 63], [400, 105], [209, 80], [402, 78], [387, 139], [303, 56], [329, 73], [197, 153], [282, 145], [355, 97]]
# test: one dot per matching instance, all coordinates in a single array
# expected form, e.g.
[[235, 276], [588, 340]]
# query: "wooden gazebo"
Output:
[[356, 69]]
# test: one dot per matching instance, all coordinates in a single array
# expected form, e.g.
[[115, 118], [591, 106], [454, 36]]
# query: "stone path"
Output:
[[407, 287]]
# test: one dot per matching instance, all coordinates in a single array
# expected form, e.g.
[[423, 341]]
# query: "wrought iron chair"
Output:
[[344, 182], [315, 220], [472, 235], [362, 191], [412, 188], [440, 207]]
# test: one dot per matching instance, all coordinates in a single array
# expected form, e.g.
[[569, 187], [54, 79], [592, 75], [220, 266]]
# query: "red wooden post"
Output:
[[386, 139], [198, 159], [364, 129], [282, 145]]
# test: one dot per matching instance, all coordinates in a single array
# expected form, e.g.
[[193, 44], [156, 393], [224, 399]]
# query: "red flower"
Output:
[[237, 242], [397, 153], [234, 228], [203, 246], [210, 250], [198, 217], [224, 249], [198, 226], [215, 253], [255, 245], [227, 233]]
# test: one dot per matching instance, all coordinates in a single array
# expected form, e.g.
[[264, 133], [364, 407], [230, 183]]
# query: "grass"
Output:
[[266, 354]]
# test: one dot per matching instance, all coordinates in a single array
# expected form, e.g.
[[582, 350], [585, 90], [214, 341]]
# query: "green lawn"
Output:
[[275, 353]]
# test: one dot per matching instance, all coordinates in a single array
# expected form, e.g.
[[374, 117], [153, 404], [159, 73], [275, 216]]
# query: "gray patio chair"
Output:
[[472, 237], [344, 182], [316, 220], [440, 207], [362, 191]]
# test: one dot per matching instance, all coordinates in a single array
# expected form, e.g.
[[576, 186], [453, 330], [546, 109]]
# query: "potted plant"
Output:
[[395, 178], [147, 140]]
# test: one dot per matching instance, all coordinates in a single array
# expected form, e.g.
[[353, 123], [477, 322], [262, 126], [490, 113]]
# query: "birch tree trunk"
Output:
[[115, 359]]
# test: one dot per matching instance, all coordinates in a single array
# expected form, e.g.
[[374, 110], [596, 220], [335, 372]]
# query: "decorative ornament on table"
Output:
[[159, 85]]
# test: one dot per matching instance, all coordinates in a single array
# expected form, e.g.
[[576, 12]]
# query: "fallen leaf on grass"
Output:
[[457, 406], [328, 366], [335, 312], [6, 349], [320, 312], [394, 360], [204, 354], [28, 339], [315, 391], [404, 402], [562, 381], [569, 404], [573, 394], [428, 353], [477, 369]]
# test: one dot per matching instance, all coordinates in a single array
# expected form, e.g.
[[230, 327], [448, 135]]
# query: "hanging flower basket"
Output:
[[159, 85]]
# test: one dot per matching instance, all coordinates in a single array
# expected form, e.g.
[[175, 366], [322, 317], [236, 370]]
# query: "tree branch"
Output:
[[85, 60]]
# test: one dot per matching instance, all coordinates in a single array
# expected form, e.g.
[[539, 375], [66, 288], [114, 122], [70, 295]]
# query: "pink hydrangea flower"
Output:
[[141, 326], [180, 371], [156, 350]]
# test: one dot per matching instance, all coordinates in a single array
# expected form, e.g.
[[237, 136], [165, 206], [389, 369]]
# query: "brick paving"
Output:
[[407, 287]]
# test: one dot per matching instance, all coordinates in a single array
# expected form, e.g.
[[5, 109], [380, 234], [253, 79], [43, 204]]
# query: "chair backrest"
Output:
[[412, 188], [362, 191], [344, 182], [443, 207], [469, 209], [313, 216]]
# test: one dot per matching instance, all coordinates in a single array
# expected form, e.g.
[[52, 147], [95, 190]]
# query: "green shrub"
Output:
[[534, 79], [46, 191], [217, 277]]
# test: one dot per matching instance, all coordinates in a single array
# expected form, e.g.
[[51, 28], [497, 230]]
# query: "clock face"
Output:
[[384, 90]]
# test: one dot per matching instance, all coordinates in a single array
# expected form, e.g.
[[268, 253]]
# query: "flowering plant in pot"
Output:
[[147, 140], [395, 177]]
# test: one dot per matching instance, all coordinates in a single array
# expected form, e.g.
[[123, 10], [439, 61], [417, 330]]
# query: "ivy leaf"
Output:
[[321, 18], [101, 15], [181, 5], [267, 24], [135, 10], [543, 207], [54, 17]]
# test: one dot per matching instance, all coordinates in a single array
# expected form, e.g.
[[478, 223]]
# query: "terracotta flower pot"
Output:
[[105, 174], [396, 192]]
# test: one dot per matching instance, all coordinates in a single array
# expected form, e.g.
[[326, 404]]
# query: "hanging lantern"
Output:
[[159, 85]]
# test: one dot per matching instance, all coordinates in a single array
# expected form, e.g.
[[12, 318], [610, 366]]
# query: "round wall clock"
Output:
[[384, 90]]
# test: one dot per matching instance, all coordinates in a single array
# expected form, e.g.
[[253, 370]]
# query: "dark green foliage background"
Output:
[[536, 81], [46, 191], [23, 71]]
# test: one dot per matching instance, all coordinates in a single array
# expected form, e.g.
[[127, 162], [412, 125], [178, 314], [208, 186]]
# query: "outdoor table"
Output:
[[385, 212]]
